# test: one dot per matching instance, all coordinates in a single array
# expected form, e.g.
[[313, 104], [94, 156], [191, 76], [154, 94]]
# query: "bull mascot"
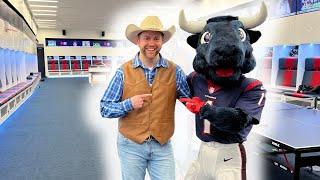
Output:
[[225, 102]]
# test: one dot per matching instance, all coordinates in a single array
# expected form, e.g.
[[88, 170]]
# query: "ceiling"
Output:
[[107, 15]]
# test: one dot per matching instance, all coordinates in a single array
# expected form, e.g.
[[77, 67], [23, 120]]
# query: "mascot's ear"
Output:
[[254, 36], [193, 40]]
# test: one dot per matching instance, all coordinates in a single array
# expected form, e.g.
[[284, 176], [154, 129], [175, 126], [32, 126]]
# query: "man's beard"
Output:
[[147, 54]]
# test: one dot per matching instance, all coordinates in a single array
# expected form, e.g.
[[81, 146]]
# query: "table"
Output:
[[291, 129]]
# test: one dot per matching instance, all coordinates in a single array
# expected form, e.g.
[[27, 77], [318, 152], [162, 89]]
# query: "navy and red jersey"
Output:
[[248, 95]]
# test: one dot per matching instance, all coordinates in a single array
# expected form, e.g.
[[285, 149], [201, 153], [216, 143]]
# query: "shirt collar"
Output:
[[137, 62]]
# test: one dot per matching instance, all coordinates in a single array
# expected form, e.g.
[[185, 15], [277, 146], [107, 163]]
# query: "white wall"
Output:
[[298, 29]]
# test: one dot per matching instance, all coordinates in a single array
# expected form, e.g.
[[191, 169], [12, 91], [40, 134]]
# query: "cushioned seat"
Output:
[[311, 77], [85, 65], [287, 72], [64, 65], [75, 65], [53, 65]]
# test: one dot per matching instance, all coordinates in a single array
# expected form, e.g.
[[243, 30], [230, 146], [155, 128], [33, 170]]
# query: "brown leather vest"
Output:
[[156, 117]]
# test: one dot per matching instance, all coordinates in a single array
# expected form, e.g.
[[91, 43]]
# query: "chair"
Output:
[[287, 73]]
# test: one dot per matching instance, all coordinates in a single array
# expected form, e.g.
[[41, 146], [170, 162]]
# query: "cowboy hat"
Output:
[[150, 23]]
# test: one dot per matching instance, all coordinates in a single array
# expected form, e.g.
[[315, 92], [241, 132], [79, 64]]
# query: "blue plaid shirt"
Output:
[[111, 105]]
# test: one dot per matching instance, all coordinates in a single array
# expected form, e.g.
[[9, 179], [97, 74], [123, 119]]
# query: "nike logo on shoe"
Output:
[[228, 159]]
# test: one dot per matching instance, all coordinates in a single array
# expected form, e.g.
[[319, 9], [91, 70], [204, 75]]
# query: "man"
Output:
[[142, 94]]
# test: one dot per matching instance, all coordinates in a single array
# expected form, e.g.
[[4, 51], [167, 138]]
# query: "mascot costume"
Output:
[[225, 102]]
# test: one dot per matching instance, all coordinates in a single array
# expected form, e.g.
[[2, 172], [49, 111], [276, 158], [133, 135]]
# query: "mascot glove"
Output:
[[193, 104]]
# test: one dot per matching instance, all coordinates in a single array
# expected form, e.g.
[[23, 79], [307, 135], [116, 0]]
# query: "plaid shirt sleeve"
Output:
[[182, 85], [111, 105]]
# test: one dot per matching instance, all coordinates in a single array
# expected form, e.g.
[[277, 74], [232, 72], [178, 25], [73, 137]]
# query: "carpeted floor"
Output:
[[47, 138]]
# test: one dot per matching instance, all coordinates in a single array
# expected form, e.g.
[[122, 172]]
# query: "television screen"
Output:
[[86, 43], [304, 6], [51, 43], [75, 43], [281, 8], [96, 44]]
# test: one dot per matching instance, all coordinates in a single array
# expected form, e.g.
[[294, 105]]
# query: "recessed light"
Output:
[[46, 20], [38, 14], [50, 1], [45, 6], [42, 10], [46, 23]]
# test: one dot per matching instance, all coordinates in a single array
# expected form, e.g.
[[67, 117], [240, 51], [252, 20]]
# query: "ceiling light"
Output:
[[32, 5], [42, 10], [46, 20], [38, 14], [48, 27], [46, 23], [49, 1]]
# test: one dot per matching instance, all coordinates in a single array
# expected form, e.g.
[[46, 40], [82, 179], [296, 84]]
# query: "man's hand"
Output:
[[138, 100]]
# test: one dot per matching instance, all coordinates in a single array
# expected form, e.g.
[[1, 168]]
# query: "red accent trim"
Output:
[[252, 85], [298, 95], [287, 162], [243, 162], [212, 85]]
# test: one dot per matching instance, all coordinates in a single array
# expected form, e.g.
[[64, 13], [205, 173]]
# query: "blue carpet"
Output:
[[47, 138]]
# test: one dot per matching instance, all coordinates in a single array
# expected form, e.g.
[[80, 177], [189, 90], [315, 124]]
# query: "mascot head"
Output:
[[223, 45]]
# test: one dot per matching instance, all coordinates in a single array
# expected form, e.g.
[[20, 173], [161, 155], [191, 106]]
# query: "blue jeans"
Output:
[[136, 158]]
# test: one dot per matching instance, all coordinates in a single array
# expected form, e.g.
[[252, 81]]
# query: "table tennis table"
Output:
[[291, 129]]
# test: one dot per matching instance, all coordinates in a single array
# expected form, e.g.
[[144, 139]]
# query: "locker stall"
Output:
[[2, 71]]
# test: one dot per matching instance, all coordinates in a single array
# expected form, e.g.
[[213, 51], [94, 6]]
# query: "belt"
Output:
[[150, 138]]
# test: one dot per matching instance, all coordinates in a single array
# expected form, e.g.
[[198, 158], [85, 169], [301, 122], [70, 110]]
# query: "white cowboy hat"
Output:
[[150, 23]]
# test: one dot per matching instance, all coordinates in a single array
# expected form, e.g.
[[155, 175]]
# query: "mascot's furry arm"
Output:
[[231, 120]]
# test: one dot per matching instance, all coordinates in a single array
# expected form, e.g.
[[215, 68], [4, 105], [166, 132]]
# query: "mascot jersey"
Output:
[[247, 96]]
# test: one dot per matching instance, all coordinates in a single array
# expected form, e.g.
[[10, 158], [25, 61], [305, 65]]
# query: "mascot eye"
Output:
[[242, 34], [205, 38]]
